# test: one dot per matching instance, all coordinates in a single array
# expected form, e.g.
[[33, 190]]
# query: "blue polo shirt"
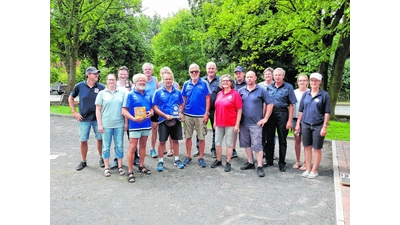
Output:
[[111, 107], [282, 96], [314, 108], [252, 107], [167, 101], [87, 97], [195, 97], [136, 99]]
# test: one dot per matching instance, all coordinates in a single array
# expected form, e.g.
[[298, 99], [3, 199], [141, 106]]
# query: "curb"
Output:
[[338, 190]]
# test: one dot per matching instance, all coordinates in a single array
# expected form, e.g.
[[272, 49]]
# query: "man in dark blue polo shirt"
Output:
[[87, 91], [281, 118]]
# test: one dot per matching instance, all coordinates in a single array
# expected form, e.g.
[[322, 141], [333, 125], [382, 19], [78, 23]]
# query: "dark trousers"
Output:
[[211, 117], [277, 122]]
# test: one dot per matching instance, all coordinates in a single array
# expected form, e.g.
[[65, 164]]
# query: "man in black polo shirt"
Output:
[[87, 91], [281, 118]]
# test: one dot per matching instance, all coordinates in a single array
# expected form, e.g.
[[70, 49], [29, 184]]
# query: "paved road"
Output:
[[192, 195]]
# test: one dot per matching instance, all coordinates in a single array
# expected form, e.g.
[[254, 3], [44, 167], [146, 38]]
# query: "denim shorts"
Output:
[[84, 130]]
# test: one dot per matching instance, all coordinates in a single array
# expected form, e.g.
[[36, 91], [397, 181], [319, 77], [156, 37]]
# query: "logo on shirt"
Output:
[[229, 97], [316, 100], [96, 90]]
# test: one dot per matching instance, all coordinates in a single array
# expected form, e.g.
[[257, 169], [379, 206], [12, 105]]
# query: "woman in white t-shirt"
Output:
[[302, 82]]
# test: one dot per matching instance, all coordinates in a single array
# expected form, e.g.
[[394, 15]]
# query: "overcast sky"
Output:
[[163, 7]]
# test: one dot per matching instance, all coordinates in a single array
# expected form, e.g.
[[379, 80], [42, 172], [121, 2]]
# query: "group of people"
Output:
[[238, 108]]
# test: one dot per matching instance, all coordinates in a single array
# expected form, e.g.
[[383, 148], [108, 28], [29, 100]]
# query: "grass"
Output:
[[339, 131]]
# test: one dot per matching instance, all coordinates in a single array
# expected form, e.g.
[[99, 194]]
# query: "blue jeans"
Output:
[[118, 134]]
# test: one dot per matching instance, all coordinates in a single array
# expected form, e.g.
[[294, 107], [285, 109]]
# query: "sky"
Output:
[[163, 7]]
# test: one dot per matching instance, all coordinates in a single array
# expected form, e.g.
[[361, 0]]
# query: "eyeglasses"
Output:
[[194, 71], [226, 80]]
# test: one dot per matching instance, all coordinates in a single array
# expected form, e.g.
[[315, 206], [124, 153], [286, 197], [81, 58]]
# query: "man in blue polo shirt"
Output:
[[167, 103], [196, 108], [252, 121], [213, 81], [282, 117], [87, 91]]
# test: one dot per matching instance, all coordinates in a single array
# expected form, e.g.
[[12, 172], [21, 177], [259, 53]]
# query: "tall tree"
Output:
[[72, 22], [264, 31], [177, 45]]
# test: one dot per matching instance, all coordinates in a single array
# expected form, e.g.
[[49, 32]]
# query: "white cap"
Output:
[[316, 75]]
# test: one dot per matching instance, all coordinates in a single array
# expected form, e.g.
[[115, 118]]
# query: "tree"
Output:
[[177, 45], [72, 23], [121, 41], [295, 35]]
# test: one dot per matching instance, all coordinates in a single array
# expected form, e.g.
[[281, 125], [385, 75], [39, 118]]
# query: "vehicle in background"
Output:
[[59, 88]]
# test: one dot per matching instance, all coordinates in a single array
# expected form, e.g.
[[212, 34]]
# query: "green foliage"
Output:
[[177, 45]]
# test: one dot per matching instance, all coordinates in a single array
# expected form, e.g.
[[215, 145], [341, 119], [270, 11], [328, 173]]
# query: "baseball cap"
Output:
[[92, 69], [316, 75], [239, 69]]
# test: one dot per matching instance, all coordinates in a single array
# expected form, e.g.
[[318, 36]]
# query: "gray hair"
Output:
[[136, 77], [194, 65], [146, 65], [280, 69], [230, 78], [167, 70]]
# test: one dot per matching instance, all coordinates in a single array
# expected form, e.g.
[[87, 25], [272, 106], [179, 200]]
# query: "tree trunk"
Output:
[[341, 55], [71, 70]]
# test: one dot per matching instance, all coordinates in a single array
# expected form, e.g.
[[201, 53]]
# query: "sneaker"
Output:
[[101, 162], [213, 154], [186, 161], [160, 166], [247, 166], [227, 167], [312, 175], [81, 165], [153, 153], [114, 165], [260, 171], [234, 154], [216, 163], [202, 163], [196, 153], [179, 164], [305, 174]]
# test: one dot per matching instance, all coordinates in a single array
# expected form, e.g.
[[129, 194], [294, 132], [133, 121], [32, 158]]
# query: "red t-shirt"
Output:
[[226, 108]]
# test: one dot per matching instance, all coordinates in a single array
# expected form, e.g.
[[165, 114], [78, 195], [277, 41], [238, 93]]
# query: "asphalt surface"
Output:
[[192, 195]]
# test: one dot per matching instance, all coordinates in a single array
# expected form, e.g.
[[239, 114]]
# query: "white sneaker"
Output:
[[312, 175], [305, 173]]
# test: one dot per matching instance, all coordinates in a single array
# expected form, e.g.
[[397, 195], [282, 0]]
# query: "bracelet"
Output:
[[325, 125]]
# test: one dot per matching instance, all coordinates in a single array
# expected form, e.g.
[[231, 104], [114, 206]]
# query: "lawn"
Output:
[[339, 131]]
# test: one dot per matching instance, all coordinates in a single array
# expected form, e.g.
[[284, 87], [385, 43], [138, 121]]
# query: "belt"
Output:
[[280, 109]]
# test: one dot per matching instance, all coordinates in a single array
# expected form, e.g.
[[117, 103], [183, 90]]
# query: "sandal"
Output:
[[303, 167], [107, 172], [170, 153], [144, 170], [121, 171], [131, 177], [297, 165]]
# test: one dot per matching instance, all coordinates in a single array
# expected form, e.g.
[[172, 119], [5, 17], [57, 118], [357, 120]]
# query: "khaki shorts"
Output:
[[194, 124]]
